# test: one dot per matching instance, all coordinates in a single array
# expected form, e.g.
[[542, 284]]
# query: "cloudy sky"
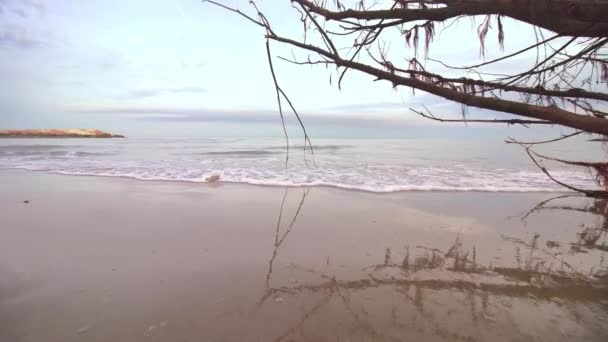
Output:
[[138, 64]]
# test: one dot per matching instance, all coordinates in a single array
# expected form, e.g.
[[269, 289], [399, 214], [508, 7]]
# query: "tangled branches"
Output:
[[565, 86]]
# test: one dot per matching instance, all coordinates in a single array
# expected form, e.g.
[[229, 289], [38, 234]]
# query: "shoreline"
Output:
[[326, 186]]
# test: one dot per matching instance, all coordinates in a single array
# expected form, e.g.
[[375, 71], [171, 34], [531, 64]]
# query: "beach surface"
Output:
[[111, 259]]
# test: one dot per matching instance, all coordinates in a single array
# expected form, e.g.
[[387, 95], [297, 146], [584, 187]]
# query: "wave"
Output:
[[529, 183], [360, 167], [36, 147], [315, 147], [52, 153], [253, 153]]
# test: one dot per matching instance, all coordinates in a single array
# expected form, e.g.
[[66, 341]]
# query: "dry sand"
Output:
[[100, 259]]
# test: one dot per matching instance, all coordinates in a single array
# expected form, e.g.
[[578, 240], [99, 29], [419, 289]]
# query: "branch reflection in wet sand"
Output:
[[278, 242], [421, 274], [590, 237]]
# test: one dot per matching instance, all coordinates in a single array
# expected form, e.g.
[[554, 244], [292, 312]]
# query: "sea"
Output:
[[373, 165]]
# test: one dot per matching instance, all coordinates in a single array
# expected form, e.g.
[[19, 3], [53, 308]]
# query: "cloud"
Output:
[[16, 31], [439, 107], [192, 89], [13, 36], [412, 101], [20, 12], [106, 65], [145, 93], [186, 65], [170, 112], [39, 5], [367, 106], [23, 8], [157, 114]]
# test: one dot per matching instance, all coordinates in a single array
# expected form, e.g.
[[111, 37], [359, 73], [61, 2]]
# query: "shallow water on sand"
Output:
[[99, 259]]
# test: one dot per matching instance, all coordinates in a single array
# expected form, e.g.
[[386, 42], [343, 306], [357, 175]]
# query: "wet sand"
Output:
[[107, 259]]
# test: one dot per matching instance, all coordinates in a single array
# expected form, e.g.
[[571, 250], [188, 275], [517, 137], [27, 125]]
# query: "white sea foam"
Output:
[[423, 180], [341, 167]]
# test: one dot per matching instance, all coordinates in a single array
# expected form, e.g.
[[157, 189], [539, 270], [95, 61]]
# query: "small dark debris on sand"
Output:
[[212, 179], [26, 201]]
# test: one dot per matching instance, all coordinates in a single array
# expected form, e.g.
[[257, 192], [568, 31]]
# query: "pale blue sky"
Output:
[[134, 65]]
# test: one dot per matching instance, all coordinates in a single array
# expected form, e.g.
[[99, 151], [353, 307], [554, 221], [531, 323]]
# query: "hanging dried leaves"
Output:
[[482, 32], [501, 34], [429, 34]]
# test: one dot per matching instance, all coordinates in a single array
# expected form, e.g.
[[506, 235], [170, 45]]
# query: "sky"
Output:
[[145, 66]]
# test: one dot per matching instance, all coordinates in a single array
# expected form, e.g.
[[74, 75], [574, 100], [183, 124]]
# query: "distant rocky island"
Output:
[[57, 133]]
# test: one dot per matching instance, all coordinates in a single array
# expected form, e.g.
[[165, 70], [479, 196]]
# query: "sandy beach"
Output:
[[111, 259], [304, 171]]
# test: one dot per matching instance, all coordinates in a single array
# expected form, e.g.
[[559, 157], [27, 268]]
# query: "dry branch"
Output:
[[564, 80]]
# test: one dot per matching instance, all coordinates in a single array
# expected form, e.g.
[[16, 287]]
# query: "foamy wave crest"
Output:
[[369, 179]]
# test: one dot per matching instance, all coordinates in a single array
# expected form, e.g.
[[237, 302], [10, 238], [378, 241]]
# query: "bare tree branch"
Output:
[[563, 87], [430, 116], [562, 137], [558, 16]]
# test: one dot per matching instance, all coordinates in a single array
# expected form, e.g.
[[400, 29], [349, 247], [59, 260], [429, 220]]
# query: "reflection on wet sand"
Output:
[[590, 237], [279, 241], [427, 293]]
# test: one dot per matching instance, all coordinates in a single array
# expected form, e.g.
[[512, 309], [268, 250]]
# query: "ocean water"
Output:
[[375, 165]]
